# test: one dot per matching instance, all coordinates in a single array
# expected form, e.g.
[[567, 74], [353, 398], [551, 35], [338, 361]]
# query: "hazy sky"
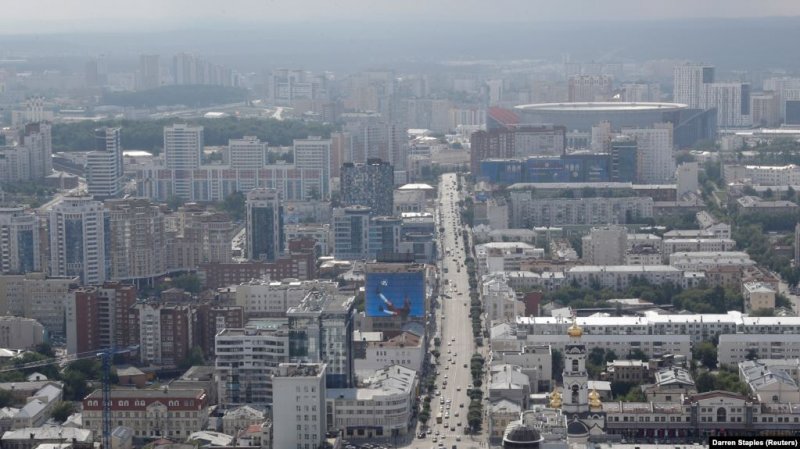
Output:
[[32, 16]]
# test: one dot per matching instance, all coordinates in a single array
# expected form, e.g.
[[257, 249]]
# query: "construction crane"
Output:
[[107, 360]]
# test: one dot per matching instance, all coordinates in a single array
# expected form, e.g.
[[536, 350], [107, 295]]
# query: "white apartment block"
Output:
[[688, 83], [732, 101], [104, 177], [247, 153], [20, 333], [680, 245], [655, 155], [699, 327], [642, 257], [622, 345], [619, 277], [300, 396], [705, 260], [246, 359], [315, 153], [735, 348], [605, 245], [500, 300], [763, 175], [505, 256], [183, 148], [77, 239], [262, 298], [527, 212], [382, 408]]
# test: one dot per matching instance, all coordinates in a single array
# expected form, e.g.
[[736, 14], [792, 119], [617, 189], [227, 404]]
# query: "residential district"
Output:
[[555, 256]]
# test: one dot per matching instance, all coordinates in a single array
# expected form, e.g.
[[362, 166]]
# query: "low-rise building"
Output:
[[505, 256], [240, 418], [406, 349], [619, 277], [705, 260], [671, 385], [758, 296], [535, 361], [501, 413], [165, 412], [633, 371], [748, 205], [772, 381], [33, 437], [509, 382], [676, 245], [381, 407]]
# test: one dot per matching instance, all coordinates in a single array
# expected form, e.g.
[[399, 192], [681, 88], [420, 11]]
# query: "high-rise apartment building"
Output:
[[732, 102], [78, 226], [99, 317], [137, 240], [583, 88], [183, 148], [149, 75], [321, 330], [37, 139], [264, 224], [286, 86], [300, 392], [689, 82], [166, 332], [199, 237], [36, 296], [245, 361], [605, 246], [351, 232], [370, 184], [104, 167], [655, 153], [765, 109], [315, 153], [781, 86], [516, 142], [19, 241], [247, 153]]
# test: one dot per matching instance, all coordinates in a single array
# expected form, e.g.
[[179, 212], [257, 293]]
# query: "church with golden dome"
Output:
[[582, 409]]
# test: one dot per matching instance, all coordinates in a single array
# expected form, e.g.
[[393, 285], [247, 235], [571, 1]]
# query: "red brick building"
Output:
[[99, 317]]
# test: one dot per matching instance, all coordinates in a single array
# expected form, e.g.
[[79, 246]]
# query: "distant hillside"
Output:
[[191, 96]]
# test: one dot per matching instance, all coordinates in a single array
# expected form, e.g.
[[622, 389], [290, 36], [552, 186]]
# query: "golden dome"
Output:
[[594, 399], [574, 331], [555, 399]]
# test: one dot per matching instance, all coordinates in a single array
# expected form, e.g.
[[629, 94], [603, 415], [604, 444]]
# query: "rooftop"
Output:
[[601, 107]]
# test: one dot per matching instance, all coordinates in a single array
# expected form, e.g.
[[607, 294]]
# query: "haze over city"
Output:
[[380, 224]]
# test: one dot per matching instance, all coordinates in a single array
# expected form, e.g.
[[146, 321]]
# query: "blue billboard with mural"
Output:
[[400, 295]]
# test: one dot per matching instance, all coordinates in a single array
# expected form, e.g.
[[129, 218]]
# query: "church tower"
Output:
[[575, 398]]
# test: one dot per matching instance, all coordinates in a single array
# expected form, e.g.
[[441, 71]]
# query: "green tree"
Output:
[[706, 353], [62, 410], [194, 358], [637, 354], [234, 205], [188, 282], [6, 398]]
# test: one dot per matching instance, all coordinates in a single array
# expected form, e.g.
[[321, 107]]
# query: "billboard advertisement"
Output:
[[399, 295]]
